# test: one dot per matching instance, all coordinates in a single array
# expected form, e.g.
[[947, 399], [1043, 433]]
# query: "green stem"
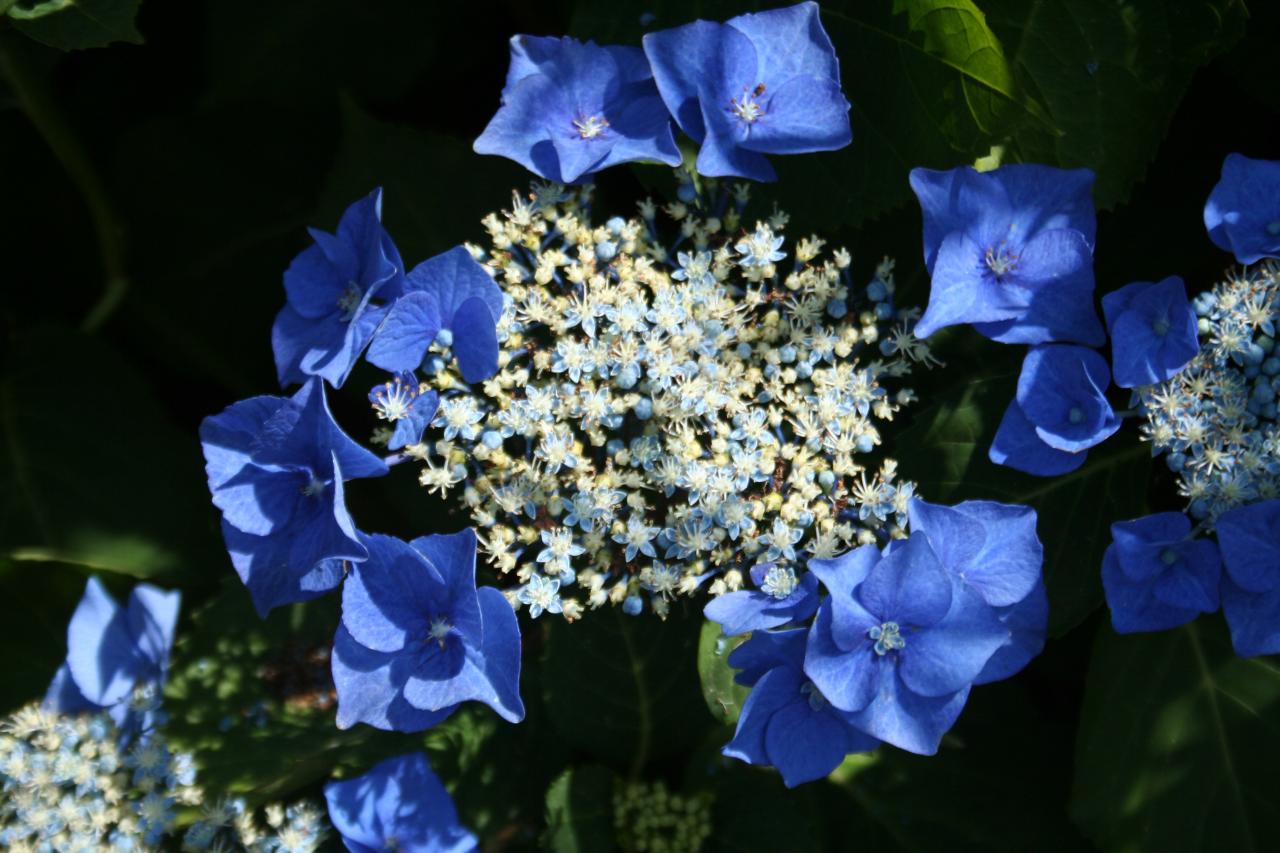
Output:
[[52, 126]]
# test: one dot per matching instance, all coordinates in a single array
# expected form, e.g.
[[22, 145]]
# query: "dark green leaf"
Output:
[[93, 472], [1179, 743], [580, 811], [724, 696], [753, 810], [1110, 74], [36, 603], [77, 24], [625, 688], [944, 449], [995, 784]]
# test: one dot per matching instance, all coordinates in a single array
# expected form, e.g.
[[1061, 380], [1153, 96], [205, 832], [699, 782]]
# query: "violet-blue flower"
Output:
[[448, 299], [570, 109], [899, 642], [1243, 210], [330, 314], [1155, 576], [764, 83], [400, 804], [1059, 412], [993, 549], [786, 722], [276, 466], [1249, 537], [780, 598], [407, 404], [1010, 251], [1153, 331], [113, 651], [418, 638]]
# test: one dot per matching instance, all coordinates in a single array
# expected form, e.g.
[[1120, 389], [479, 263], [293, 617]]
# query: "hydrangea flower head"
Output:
[[448, 299], [276, 466], [786, 722], [764, 83], [993, 549], [779, 598], [400, 804], [1249, 537], [1155, 577], [899, 641], [418, 638], [114, 651], [1059, 412], [1243, 210], [1010, 251], [1152, 330], [570, 109], [331, 287]]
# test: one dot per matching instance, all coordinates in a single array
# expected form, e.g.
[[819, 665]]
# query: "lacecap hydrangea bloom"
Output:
[[570, 109], [1010, 251], [1243, 211], [335, 290], [418, 638], [1059, 412], [399, 804], [276, 466], [117, 657], [757, 84], [666, 416]]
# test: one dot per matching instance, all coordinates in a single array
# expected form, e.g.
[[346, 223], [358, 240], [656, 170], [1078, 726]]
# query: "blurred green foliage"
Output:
[[161, 164]]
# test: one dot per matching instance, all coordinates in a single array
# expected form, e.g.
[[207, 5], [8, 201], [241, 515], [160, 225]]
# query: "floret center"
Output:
[[591, 126], [746, 107], [1000, 261], [888, 637]]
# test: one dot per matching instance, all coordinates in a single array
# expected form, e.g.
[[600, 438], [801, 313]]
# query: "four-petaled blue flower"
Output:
[[1155, 576], [786, 722], [571, 109], [993, 549], [1059, 412], [1153, 331], [899, 642], [276, 466], [418, 638], [781, 598], [1010, 251], [408, 404], [766, 83], [1249, 537], [1243, 210], [399, 804], [114, 651], [450, 299], [330, 314]]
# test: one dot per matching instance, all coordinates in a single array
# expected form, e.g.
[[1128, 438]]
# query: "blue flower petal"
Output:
[[909, 586], [369, 689], [908, 721], [475, 340], [1026, 622], [950, 654], [1017, 445], [846, 677], [993, 547], [1254, 619], [766, 650], [804, 744], [102, 656], [1249, 537]]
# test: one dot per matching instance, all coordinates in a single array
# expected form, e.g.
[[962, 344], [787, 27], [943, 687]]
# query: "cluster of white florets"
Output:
[[1216, 420], [669, 414]]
